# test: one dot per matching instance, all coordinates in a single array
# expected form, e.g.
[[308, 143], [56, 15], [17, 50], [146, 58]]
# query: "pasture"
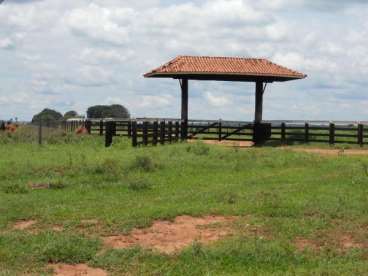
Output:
[[271, 211]]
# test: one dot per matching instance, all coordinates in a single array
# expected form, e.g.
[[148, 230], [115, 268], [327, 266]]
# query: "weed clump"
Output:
[[139, 184], [144, 163], [198, 148], [15, 188], [108, 167]]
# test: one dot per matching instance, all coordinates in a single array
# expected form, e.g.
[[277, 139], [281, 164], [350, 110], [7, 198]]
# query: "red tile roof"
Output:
[[249, 68]]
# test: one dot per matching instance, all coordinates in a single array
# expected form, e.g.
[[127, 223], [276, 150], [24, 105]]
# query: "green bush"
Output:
[[199, 148], [15, 188], [144, 163], [139, 184]]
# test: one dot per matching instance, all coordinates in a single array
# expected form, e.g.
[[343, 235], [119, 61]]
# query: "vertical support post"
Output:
[[40, 133], [88, 125], [169, 131], [109, 133], [283, 133], [101, 127], [134, 134], [184, 107], [361, 135], [306, 133], [2, 126], [220, 130], [177, 129], [113, 128], [332, 133], [162, 132], [155, 133], [129, 128], [145, 133], [259, 102]]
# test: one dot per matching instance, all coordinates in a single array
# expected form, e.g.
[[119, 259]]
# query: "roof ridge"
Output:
[[221, 57]]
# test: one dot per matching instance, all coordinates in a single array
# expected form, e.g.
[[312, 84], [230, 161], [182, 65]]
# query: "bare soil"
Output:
[[331, 152], [76, 270], [237, 144], [24, 224], [172, 236]]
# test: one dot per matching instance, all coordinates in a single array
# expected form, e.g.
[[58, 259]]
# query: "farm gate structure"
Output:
[[154, 131]]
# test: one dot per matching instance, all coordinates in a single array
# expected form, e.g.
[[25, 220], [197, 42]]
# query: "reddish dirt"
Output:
[[76, 270], [39, 186], [24, 224], [237, 144], [342, 242], [331, 152], [170, 237]]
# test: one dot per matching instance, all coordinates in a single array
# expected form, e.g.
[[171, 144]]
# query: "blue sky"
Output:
[[72, 54]]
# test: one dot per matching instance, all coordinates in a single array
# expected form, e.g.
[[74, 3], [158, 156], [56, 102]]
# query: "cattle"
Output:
[[10, 127], [81, 131]]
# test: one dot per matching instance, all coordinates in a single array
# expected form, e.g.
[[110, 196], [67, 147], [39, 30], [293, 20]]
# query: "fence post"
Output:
[[129, 128], [155, 133], [220, 130], [332, 133], [162, 132], [361, 135], [134, 134], [113, 128], [177, 131], [184, 130], [283, 133], [306, 133], [88, 125], [145, 133], [40, 133], [109, 133], [101, 127], [169, 132], [2, 126]]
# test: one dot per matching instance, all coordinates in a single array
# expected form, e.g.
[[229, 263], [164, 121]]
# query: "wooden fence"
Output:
[[160, 131]]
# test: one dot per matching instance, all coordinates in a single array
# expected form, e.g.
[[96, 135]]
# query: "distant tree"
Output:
[[108, 111], [70, 114], [47, 115]]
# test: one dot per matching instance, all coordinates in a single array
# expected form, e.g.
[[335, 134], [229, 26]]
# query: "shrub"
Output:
[[109, 167]]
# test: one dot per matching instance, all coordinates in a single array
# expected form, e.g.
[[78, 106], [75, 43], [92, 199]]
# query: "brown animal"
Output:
[[81, 131], [11, 128]]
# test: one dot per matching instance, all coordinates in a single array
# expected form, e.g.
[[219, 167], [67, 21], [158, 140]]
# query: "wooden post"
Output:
[[88, 125], [332, 133], [109, 133], [306, 133], [101, 127], [283, 133], [129, 128], [177, 129], [155, 133], [184, 107], [361, 135], [162, 132], [169, 132], [40, 133], [220, 130], [145, 133], [184, 130], [134, 134], [113, 128], [259, 102]]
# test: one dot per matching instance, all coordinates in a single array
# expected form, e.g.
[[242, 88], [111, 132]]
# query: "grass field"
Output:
[[296, 213]]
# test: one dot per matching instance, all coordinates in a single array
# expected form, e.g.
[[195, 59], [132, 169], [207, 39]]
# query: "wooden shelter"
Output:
[[259, 71]]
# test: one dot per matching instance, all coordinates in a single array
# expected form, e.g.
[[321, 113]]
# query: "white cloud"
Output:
[[217, 100]]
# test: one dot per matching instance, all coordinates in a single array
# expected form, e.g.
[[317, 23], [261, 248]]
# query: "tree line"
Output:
[[115, 111]]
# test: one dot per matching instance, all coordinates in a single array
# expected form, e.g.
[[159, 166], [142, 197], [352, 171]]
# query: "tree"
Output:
[[108, 111], [70, 114], [47, 115]]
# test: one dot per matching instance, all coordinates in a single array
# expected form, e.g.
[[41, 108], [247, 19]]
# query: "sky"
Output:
[[72, 54]]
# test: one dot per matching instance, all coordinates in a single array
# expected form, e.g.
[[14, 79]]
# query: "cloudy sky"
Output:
[[71, 54]]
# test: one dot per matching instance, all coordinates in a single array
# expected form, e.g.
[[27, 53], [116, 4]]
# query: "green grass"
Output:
[[283, 193]]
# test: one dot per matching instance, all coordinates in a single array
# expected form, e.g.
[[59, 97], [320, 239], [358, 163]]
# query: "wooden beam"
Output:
[[259, 102]]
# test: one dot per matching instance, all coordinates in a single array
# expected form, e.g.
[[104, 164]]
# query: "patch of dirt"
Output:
[[57, 228], [76, 270], [39, 186], [226, 143], [89, 221], [24, 224], [343, 242], [170, 237], [331, 152]]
